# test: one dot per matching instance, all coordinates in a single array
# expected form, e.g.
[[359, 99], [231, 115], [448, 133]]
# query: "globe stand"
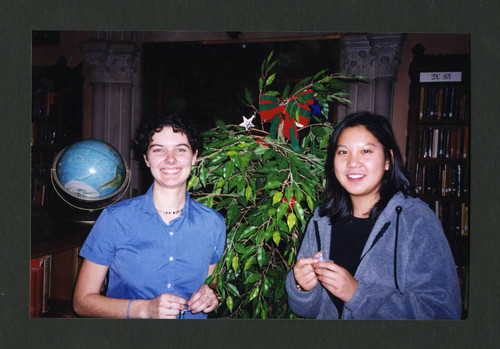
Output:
[[88, 210]]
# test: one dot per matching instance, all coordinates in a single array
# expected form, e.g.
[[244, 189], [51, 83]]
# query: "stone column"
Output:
[[385, 49], [374, 56], [111, 67]]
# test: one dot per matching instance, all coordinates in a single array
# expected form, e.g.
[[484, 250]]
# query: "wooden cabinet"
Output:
[[438, 146], [57, 262]]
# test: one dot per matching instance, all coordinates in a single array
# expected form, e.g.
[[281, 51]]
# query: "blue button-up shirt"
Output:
[[147, 257]]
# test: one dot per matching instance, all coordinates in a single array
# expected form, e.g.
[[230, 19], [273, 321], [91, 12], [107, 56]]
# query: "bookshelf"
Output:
[[437, 151], [56, 123]]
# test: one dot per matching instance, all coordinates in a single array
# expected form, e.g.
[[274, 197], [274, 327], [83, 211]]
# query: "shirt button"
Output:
[[171, 258], [171, 233], [169, 285]]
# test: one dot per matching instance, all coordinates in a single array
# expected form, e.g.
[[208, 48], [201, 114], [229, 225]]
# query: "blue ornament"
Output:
[[315, 108]]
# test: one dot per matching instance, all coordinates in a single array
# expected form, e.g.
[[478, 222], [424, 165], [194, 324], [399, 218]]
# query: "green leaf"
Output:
[[266, 286], [269, 154], [269, 57], [229, 303], [210, 279], [234, 263], [291, 220], [247, 232], [228, 170], [271, 66], [270, 79], [248, 96], [210, 201], [254, 277], [192, 182], [321, 72], [290, 258], [276, 237], [245, 158], [231, 213], [254, 293], [298, 193], [220, 124], [289, 193], [277, 197], [241, 183], [228, 258], [282, 208], [232, 289], [272, 185], [261, 256], [271, 212], [299, 211], [282, 226], [248, 263], [218, 158], [286, 91], [242, 200], [269, 233], [248, 192], [203, 175], [260, 236], [257, 306]]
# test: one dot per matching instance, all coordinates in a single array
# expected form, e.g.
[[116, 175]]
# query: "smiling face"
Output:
[[359, 165], [170, 158]]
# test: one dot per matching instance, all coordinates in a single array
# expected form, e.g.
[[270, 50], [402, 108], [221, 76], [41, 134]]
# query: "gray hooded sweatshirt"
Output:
[[420, 283]]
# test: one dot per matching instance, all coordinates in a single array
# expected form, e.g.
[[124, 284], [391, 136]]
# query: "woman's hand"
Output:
[[203, 300], [165, 306], [336, 279], [304, 272]]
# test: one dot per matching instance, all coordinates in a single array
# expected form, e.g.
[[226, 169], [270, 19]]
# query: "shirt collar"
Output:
[[151, 206]]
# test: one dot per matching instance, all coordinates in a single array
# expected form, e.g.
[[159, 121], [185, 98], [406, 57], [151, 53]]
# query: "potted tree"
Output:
[[267, 184]]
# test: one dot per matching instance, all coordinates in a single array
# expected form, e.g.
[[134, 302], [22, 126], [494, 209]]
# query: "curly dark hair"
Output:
[[157, 122], [338, 203]]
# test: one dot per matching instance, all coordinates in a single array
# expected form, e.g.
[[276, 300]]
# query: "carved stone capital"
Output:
[[96, 60], [356, 58], [386, 49], [110, 63]]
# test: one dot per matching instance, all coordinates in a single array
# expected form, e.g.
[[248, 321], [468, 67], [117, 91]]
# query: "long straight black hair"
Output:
[[338, 202]]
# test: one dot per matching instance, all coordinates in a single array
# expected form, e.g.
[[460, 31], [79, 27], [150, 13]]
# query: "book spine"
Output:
[[36, 287], [465, 146], [47, 269], [435, 143], [439, 111], [422, 103], [451, 107]]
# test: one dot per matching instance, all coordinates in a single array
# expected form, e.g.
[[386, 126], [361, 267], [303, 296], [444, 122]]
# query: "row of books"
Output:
[[445, 180], [442, 103], [454, 217], [43, 104], [43, 133], [443, 142], [40, 285]]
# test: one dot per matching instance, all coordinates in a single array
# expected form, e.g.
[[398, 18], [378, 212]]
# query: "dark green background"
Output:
[[19, 18]]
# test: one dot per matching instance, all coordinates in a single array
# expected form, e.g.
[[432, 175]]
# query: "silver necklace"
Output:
[[173, 212]]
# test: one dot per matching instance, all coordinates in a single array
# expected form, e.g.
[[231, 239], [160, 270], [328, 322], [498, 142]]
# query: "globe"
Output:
[[90, 174]]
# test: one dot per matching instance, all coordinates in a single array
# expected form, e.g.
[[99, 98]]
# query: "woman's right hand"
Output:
[[304, 272], [165, 306]]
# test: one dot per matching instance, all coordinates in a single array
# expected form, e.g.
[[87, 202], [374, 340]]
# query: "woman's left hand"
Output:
[[203, 300], [336, 279]]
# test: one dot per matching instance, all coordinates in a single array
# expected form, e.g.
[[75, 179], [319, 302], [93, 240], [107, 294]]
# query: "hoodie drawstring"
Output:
[[399, 209]]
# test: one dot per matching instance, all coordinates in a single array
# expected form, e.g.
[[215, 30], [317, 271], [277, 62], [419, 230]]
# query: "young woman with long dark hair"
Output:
[[372, 250]]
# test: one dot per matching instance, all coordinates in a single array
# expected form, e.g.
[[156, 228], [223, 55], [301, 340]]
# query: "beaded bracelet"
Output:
[[128, 308]]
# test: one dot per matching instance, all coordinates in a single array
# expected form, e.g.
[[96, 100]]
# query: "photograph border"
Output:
[[18, 19]]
